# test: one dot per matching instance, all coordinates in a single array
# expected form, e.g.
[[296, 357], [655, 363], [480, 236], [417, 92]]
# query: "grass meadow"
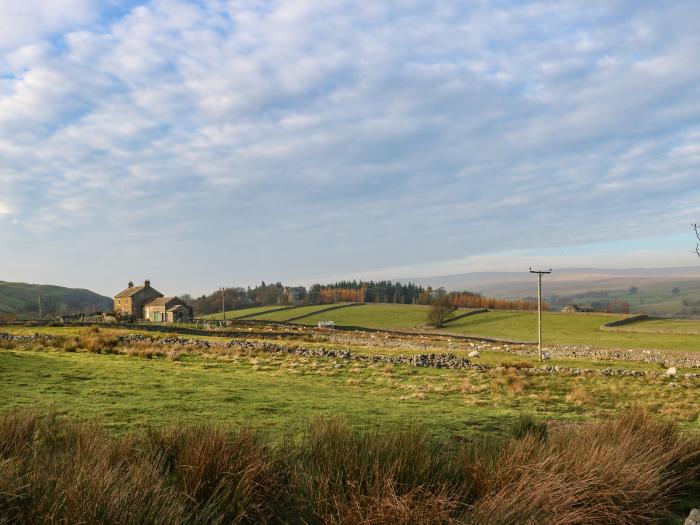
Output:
[[286, 315], [558, 328], [96, 431], [376, 316], [132, 387], [663, 326], [241, 312], [576, 329]]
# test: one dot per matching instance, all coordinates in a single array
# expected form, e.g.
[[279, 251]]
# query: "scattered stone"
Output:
[[474, 353], [433, 360], [693, 518], [671, 372]]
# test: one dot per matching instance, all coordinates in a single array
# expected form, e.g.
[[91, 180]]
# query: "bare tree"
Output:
[[440, 308], [696, 227]]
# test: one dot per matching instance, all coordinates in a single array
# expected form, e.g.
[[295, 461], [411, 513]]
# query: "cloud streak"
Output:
[[298, 139]]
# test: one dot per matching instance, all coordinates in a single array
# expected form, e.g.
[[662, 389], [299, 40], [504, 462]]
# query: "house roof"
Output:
[[130, 291], [177, 307], [163, 301]]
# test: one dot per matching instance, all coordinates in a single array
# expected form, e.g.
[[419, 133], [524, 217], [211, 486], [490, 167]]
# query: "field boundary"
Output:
[[467, 314], [247, 316], [270, 310], [322, 310], [626, 320]]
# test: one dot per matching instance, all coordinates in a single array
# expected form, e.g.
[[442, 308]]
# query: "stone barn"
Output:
[[167, 310]]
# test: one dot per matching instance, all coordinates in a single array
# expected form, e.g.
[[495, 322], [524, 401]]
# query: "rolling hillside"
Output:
[[22, 300], [653, 291]]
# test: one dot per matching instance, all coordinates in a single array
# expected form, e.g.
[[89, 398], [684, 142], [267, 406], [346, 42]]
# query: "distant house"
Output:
[[146, 303], [574, 308], [131, 301], [295, 294]]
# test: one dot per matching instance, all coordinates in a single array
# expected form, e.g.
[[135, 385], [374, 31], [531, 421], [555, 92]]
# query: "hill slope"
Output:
[[22, 300], [655, 291]]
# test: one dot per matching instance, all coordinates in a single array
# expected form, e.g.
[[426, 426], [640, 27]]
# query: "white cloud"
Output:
[[26, 20], [330, 134]]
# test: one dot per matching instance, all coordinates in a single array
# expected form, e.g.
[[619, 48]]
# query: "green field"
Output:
[[576, 329], [663, 326], [296, 312], [132, 387], [379, 316], [558, 328], [282, 393], [234, 314], [488, 357]]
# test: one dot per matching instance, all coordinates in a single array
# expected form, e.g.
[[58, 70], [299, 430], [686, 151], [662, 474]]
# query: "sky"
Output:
[[213, 142]]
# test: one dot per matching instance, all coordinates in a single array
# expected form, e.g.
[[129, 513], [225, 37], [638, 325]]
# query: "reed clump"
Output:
[[624, 471]]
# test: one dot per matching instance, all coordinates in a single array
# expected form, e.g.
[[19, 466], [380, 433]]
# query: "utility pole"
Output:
[[223, 303], [539, 273]]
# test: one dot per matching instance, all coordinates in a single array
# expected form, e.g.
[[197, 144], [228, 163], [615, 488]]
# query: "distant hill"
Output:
[[22, 300], [656, 291]]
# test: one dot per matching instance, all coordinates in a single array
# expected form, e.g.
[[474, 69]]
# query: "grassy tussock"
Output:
[[93, 340], [626, 471]]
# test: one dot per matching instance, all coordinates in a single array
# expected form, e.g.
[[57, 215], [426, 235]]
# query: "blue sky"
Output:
[[226, 142]]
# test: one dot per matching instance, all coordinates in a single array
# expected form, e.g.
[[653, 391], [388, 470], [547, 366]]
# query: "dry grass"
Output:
[[620, 472], [626, 471], [579, 396], [507, 380]]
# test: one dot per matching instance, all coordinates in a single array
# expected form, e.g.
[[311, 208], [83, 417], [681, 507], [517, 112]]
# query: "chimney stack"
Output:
[[147, 283], [131, 284]]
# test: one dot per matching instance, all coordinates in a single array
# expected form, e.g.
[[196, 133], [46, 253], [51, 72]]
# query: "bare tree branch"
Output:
[[696, 227]]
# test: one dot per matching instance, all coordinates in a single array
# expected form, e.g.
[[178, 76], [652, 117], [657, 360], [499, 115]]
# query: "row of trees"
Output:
[[475, 300], [351, 291], [366, 292]]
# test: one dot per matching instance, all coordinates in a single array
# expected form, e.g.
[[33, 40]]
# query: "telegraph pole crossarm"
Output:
[[539, 273]]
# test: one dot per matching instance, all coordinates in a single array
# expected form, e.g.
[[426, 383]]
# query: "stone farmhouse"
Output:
[[148, 304]]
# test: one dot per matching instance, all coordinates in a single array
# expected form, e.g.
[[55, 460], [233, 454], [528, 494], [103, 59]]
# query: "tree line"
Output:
[[366, 292], [349, 291]]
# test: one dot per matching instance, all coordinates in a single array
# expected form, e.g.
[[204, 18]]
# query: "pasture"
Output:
[[354, 415], [558, 328], [283, 392], [241, 312], [570, 329], [376, 316], [129, 386], [286, 315], [663, 326]]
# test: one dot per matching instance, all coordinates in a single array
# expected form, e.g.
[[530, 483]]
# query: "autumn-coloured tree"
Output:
[[474, 300]]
